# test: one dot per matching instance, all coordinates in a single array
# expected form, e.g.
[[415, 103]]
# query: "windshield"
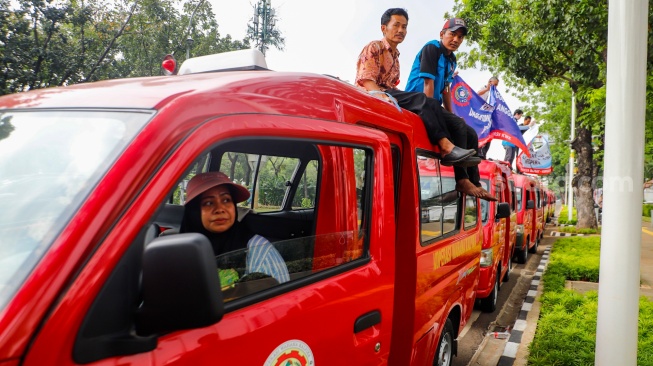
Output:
[[49, 162]]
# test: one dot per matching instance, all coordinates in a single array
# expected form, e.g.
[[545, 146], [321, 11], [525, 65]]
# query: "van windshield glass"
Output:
[[49, 162]]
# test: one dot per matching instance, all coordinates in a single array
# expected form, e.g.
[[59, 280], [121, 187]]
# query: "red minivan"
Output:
[[541, 209], [497, 247], [94, 175], [527, 234], [552, 204]]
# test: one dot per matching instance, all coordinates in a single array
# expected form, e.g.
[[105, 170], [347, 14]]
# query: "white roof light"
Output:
[[249, 59]]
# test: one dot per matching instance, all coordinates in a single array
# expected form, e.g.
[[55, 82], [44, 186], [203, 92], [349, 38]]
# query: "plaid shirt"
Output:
[[379, 63]]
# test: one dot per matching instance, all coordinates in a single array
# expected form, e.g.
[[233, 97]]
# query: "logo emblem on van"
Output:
[[291, 353]]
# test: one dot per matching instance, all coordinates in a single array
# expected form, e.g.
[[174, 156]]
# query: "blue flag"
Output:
[[490, 120]]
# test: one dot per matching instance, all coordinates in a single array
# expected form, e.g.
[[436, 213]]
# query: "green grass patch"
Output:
[[563, 216], [646, 218], [575, 259], [566, 330], [586, 231]]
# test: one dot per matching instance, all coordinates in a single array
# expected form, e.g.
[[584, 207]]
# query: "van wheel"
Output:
[[489, 304], [444, 356], [506, 277], [522, 255], [533, 249]]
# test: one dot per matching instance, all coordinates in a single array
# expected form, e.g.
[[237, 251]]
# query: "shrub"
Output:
[[646, 209], [566, 330]]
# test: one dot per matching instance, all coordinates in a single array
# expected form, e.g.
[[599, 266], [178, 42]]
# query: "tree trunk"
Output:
[[583, 182]]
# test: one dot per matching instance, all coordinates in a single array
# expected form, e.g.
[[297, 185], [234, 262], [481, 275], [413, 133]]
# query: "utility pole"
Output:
[[621, 234], [570, 189], [263, 24]]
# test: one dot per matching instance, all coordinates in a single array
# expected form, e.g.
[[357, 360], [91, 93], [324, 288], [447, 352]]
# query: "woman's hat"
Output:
[[205, 181]]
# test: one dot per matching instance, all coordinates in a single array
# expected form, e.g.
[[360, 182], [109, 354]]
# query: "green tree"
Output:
[[536, 41], [46, 43]]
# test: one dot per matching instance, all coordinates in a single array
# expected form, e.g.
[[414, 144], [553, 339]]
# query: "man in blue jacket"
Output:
[[432, 74]]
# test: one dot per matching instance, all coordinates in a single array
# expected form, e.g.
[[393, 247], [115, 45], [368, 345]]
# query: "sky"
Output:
[[325, 37]]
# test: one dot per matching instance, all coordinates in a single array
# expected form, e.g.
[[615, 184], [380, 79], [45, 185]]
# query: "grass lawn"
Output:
[[566, 329]]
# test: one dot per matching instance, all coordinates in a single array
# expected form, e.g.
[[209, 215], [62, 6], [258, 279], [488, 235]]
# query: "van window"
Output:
[[520, 198], [513, 194], [439, 201], [538, 199], [286, 184], [471, 212], [485, 205]]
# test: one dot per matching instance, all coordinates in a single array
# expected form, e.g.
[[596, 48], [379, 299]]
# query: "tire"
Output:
[[533, 249], [489, 304], [444, 353], [522, 255], [506, 277]]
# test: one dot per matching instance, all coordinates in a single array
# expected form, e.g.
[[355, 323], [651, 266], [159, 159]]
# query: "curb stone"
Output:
[[557, 233], [529, 306]]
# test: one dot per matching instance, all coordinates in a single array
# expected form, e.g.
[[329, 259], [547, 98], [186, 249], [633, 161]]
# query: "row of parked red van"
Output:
[[91, 173], [512, 226]]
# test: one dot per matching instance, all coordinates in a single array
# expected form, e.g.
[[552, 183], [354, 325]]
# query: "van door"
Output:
[[337, 307]]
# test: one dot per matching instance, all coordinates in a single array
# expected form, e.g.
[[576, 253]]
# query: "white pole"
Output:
[[570, 190], [616, 330]]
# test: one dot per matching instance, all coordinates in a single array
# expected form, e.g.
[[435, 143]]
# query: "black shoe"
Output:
[[456, 155], [465, 163]]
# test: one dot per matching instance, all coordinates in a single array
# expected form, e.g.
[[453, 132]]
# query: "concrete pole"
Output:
[[616, 330], [570, 190]]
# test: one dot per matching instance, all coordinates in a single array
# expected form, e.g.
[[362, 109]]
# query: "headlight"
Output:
[[486, 257], [520, 229]]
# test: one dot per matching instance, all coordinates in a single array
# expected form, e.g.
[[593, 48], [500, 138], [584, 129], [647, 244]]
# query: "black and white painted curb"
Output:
[[557, 233], [510, 351]]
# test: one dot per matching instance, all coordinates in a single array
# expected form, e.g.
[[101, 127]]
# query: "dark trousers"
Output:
[[511, 152], [428, 110], [463, 136], [439, 124], [484, 149]]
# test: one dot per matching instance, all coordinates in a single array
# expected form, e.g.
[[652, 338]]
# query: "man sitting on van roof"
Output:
[[432, 74]]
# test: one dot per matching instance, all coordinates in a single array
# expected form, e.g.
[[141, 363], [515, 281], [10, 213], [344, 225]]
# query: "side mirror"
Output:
[[530, 204], [180, 285], [503, 210]]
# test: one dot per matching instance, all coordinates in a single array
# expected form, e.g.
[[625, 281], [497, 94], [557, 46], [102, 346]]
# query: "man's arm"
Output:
[[446, 98], [429, 87], [371, 85], [428, 67], [484, 90]]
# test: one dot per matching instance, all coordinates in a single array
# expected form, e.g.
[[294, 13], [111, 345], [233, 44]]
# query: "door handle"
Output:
[[367, 320]]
